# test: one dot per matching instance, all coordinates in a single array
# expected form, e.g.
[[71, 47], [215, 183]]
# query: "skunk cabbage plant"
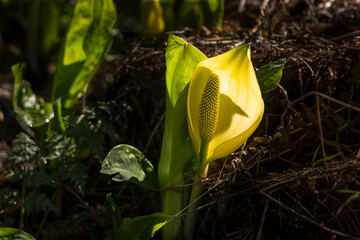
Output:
[[213, 105]]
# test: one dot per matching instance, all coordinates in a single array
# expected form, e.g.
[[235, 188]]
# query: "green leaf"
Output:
[[270, 75], [86, 44], [14, 234], [35, 178], [80, 23], [324, 159], [76, 173], [176, 151], [115, 211], [31, 108], [143, 227], [129, 164], [355, 195]]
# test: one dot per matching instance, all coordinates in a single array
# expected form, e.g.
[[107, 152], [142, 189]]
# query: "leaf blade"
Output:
[[176, 152], [31, 108], [127, 163], [142, 227], [270, 75], [13, 233], [71, 81]]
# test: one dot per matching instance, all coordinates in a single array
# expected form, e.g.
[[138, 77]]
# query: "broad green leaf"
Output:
[[79, 26], [14, 234], [72, 77], [143, 227], [176, 151], [270, 75], [128, 164], [31, 108]]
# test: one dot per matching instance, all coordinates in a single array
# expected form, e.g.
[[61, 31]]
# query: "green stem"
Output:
[[191, 217], [172, 204], [22, 209], [197, 190]]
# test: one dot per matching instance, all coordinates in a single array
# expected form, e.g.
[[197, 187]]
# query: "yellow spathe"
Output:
[[241, 105]]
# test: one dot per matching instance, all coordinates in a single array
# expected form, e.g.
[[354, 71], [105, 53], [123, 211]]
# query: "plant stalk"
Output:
[[22, 209], [191, 217], [197, 190], [172, 204]]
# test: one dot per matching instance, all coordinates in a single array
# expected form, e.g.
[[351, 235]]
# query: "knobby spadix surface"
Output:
[[240, 106]]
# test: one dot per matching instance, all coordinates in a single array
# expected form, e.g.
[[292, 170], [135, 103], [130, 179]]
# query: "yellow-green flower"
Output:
[[152, 21], [224, 105]]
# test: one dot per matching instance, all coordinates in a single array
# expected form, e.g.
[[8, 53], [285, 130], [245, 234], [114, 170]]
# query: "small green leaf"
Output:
[[31, 108], [355, 195], [14, 234], [324, 159], [141, 228], [129, 164], [115, 211], [270, 75]]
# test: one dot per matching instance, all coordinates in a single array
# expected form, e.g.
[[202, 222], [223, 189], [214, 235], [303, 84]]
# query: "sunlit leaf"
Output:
[[270, 75], [79, 26], [31, 108], [14, 234], [86, 44], [141, 228], [127, 163], [176, 151]]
